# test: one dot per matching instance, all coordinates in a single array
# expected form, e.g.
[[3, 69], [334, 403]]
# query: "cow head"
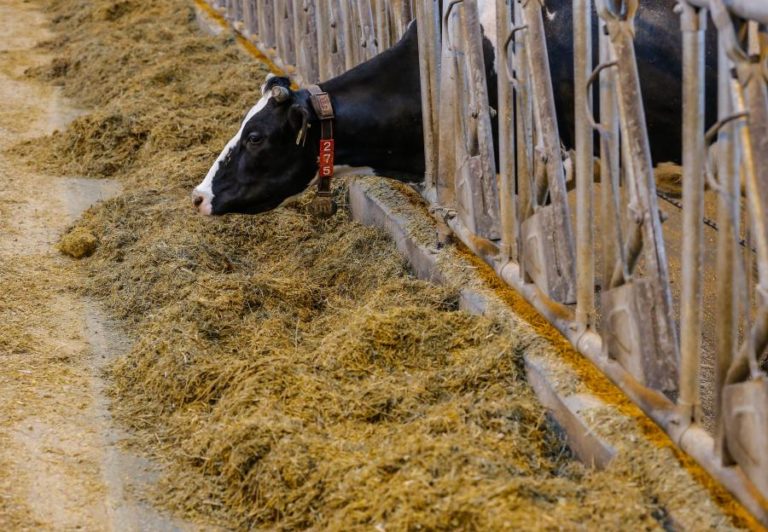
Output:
[[266, 161]]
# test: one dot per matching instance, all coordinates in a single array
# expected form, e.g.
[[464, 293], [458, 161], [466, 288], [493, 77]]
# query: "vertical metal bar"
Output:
[[751, 91], [255, 13], [448, 112], [638, 148], [523, 129], [729, 205], [507, 196], [544, 111], [428, 75], [298, 38], [480, 134], [266, 17], [283, 32], [582, 61], [402, 14], [325, 68], [751, 78], [248, 18], [382, 24], [349, 40], [367, 30], [693, 23], [609, 158], [237, 13]]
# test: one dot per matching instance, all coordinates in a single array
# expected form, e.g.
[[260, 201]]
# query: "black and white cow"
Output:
[[377, 124], [378, 112]]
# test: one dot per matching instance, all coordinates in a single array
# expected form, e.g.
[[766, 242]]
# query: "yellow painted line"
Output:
[[241, 39]]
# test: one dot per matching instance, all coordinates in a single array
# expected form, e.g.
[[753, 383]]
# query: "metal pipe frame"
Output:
[[507, 137], [729, 215], [748, 9], [609, 159], [693, 23], [477, 136], [634, 133], [428, 63], [547, 131], [585, 259], [524, 124]]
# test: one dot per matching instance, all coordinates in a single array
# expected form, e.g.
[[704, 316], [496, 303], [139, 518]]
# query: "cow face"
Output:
[[266, 161]]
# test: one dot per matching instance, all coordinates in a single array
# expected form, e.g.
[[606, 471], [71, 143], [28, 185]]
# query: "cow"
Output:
[[378, 121]]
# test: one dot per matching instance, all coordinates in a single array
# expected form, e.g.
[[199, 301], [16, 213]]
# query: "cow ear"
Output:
[[275, 81], [298, 118]]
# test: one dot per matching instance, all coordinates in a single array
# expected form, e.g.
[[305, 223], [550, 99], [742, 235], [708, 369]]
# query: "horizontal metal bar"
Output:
[[750, 9]]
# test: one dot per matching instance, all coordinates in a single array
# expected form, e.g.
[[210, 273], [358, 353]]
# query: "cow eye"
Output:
[[254, 139]]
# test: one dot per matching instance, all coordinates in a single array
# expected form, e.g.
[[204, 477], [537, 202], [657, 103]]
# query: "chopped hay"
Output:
[[669, 179], [290, 372], [78, 243]]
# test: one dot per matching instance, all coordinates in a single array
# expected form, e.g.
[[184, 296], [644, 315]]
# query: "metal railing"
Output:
[[286, 31], [610, 295]]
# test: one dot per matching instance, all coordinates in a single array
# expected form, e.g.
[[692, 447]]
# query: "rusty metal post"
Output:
[[585, 265], [693, 23]]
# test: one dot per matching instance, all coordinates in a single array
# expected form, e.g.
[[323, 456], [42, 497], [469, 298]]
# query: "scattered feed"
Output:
[[669, 179], [78, 243], [290, 372]]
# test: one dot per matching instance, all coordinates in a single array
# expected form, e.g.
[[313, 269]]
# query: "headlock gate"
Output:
[[609, 293]]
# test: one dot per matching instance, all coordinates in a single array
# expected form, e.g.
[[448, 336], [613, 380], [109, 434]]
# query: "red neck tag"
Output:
[[325, 162]]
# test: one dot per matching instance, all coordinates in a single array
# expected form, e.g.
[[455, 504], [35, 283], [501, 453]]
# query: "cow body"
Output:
[[378, 120], [659, 52], [377, 124]]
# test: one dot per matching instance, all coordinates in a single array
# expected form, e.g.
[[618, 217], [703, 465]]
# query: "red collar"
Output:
[[321, 103]]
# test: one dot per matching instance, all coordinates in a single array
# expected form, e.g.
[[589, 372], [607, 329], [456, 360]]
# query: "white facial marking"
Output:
[[550, 14], [205, 189]]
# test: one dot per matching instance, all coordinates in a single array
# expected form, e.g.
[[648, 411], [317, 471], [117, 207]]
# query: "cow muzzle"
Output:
[[202, 202]]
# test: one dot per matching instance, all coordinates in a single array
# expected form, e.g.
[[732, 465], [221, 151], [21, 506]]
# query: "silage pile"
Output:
[[290, 373]]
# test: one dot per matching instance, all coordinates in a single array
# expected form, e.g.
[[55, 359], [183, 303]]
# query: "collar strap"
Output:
[[321, 103]]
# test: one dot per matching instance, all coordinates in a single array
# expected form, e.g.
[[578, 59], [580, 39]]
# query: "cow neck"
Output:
[[321, 103]]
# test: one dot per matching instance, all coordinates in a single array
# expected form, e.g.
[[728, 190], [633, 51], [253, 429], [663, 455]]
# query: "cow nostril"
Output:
[[198, 200]]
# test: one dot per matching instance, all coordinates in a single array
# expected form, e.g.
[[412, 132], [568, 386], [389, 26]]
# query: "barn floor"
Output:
[[60, 463], [285, 374]]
